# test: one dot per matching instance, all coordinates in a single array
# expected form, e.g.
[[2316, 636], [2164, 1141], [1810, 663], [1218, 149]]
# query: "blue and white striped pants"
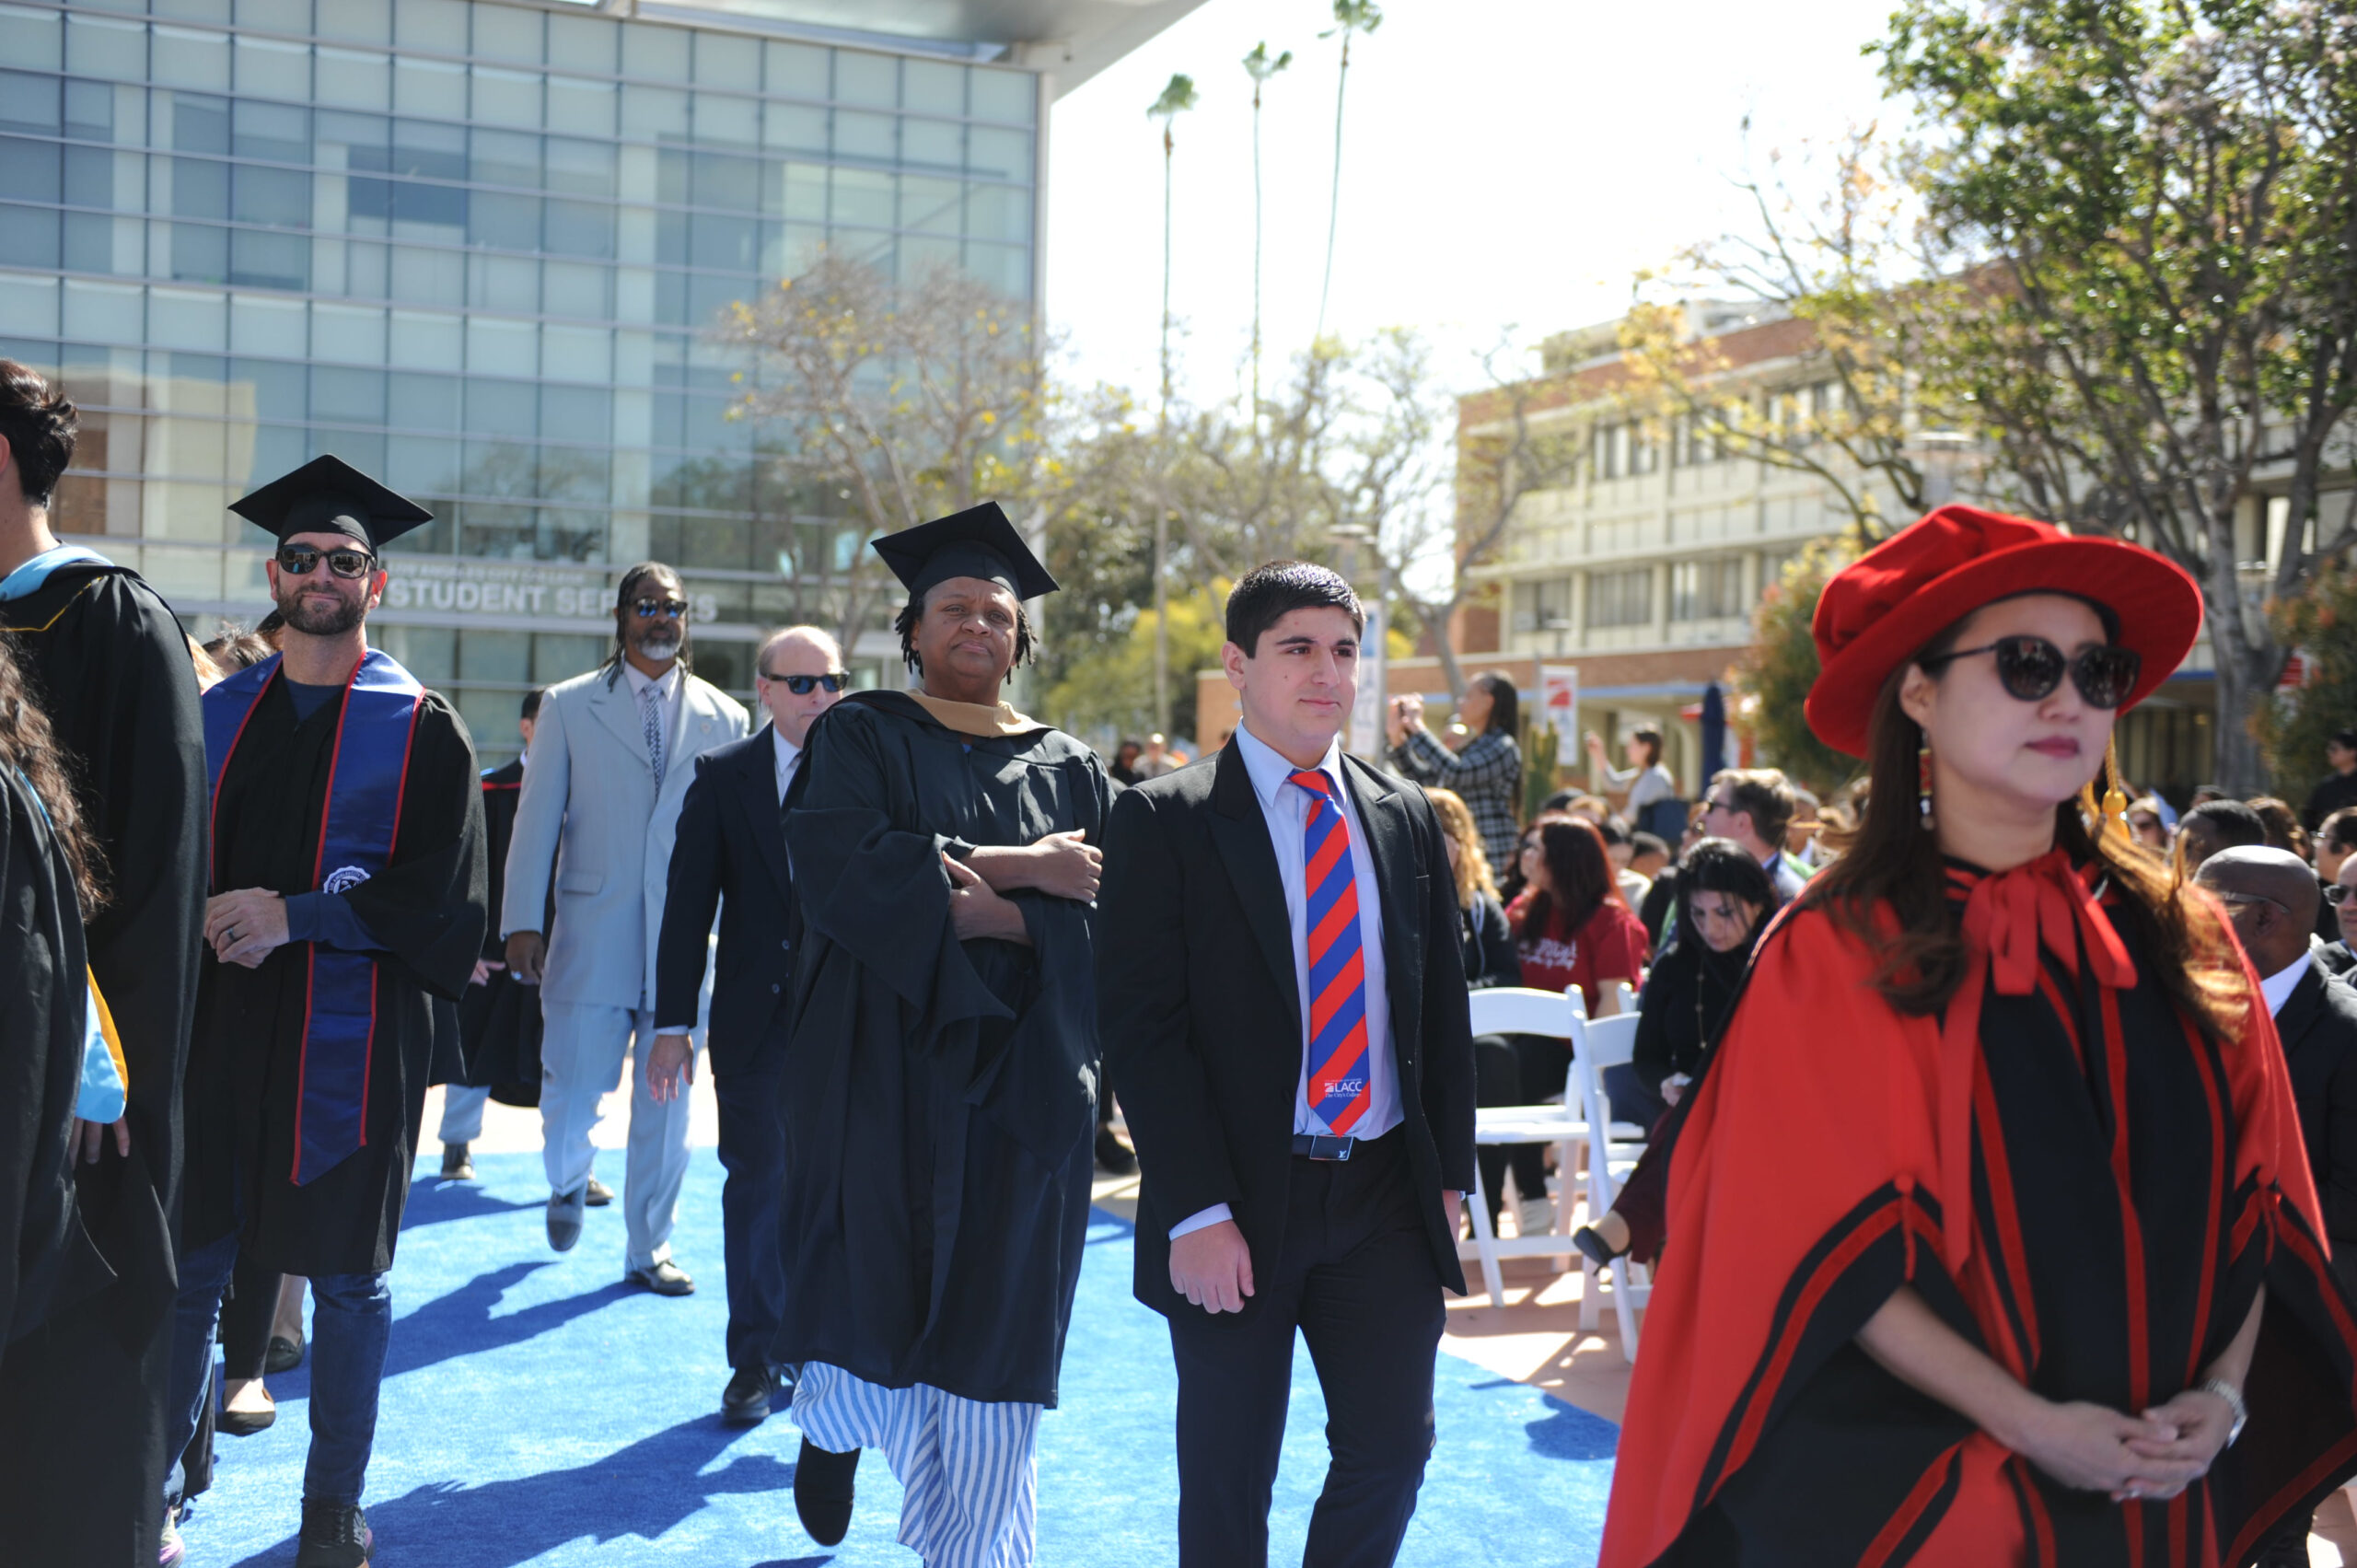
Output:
[[969, 1470]]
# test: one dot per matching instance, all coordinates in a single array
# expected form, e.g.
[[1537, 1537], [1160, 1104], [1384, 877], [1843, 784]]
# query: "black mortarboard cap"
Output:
[[329, 495], [975, 543]]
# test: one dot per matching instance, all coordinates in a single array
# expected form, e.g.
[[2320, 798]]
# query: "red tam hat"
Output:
[[1879, 610]]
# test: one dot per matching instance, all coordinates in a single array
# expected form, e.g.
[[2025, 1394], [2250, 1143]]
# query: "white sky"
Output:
[[1508, 165]]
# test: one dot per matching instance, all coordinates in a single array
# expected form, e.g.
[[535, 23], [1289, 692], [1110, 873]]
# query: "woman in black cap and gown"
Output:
[[940, 1082]]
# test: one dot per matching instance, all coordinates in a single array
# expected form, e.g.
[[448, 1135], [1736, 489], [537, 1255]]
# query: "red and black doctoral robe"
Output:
[[2073, 1178]]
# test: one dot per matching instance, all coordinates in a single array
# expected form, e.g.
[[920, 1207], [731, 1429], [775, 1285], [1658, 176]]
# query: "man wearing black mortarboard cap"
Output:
[[940, 1084], [347, 891]]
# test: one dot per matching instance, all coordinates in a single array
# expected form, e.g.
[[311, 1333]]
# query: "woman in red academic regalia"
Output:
[[1990, 1220]]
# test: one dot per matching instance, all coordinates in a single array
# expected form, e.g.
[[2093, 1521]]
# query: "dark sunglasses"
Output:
[[2337, 894], [669, 609], [803, 685], [301, 560], [2031, 667]]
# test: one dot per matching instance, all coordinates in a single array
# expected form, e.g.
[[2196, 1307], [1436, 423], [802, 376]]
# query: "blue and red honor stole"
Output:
[[365, 773], [1338, 1085]]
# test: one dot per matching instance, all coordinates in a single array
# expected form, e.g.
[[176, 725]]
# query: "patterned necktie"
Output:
[[1339, 1086], [650, 717]]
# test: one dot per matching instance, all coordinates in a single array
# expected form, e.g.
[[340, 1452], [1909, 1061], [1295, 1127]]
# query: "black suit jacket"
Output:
[[2318, 1027], [1202, 1026], [731, 846], [500, 785]]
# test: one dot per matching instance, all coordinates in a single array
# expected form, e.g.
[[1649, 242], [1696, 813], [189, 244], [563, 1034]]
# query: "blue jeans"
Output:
[[352, 1324]]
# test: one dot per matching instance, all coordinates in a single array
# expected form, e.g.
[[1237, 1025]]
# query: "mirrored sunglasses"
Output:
[[301, 560], [803, 685], [2031, 667], [669, 609]]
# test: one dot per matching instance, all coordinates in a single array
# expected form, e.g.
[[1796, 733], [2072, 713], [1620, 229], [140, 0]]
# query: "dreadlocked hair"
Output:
[[632, 580], [30, 746], [1026, 639], [1889, 862]]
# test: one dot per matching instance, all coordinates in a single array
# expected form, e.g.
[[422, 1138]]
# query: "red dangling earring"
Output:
[[1923, 784]]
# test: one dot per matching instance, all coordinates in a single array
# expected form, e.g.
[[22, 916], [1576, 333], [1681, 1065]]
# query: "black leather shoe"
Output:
[[665, 1278], [1113, 1157], [456, 1164], [745, 1400], [335, 1535], [822, 1492], [596, 1194], [284, 1355], [564, 1220]]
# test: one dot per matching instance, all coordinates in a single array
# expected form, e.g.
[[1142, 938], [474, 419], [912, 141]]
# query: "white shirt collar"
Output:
[[1269, 769], [666, 685], [2278, 987], [787, 751]]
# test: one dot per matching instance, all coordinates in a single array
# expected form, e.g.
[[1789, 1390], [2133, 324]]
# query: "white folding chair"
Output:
[[1520, 1010], [1613, 1151]]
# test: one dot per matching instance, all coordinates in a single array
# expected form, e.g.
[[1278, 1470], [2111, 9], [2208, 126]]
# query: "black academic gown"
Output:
[[499, 1021], [939, 1094], [110, 667], [427, 908]]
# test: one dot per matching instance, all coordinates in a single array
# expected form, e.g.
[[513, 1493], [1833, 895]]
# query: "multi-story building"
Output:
[[472, 246], [1640, 563]]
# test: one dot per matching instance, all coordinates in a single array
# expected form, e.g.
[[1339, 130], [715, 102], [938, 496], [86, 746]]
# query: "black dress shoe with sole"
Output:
[[822, 1492], [244, 1423], [458, 1165], [745, 1400], [1113, 1157], [665, 1278]]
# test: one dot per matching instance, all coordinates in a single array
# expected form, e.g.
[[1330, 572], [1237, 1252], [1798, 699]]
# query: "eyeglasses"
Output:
[[669, 609], [803, 685], [2031, 667], [1715, 804], [2336, 895], [302, 560]]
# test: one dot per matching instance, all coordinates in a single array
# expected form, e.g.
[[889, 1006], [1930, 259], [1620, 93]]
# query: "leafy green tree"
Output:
[[1776, 671], [2293, 726], [2153, 205]]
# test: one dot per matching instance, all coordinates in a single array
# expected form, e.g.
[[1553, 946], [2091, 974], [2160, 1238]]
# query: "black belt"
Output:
[[1323, 1145]]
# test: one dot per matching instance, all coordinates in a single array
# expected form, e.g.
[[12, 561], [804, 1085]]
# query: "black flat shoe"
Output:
[[238, 1425], [1113, 1157], [745, 1400], [1599, 1253], [335, 1535], [822, 1492], [284, 1355]]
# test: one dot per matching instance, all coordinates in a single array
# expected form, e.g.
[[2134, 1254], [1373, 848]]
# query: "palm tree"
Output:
[[1177, 97], [1261, 67], [1352, 17]]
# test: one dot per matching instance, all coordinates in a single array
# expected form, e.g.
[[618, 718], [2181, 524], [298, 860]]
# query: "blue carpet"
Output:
[[536, 1411]]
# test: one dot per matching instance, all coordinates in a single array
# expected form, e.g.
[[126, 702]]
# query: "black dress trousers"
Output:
[[752, 1153], [1358, 1279]]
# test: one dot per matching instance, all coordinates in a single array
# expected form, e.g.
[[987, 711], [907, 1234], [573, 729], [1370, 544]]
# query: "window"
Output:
[[1620, 599], [1543, 606], [1706, 590], [1691, 442]]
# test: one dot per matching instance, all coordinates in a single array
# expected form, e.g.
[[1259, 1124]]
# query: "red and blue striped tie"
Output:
[[1339, 1087]]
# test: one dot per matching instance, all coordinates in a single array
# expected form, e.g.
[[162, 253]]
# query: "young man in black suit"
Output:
[[1283, 1005], [731, 845]]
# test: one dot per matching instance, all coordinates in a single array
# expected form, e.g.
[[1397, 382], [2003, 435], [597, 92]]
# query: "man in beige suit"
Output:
[[613, 752]]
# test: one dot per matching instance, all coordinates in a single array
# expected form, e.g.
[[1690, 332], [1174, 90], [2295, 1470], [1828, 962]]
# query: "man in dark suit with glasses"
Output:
[[729, 856]]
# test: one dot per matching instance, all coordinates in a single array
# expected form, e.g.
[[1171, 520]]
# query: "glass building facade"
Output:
[[470, 246]]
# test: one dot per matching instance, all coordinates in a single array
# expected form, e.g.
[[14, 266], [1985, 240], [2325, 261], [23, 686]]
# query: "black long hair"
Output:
[[1578, 871], [28, 745], [1723, 866], [1505, 703]]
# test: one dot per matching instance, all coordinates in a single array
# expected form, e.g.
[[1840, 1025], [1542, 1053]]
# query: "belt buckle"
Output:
[[1330, 1146]]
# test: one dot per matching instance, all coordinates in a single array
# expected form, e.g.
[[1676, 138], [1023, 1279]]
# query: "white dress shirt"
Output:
[[789, 757], [1286, 807], [2278, 987]]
